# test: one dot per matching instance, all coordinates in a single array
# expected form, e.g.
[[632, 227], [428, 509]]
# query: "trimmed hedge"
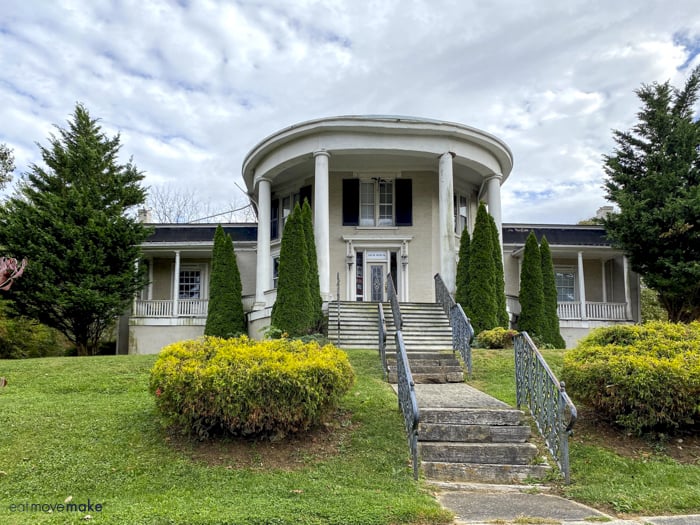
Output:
[[642, 377], [245, 387], [498, 337]]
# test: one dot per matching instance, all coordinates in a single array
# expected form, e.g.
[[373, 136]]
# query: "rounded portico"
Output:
[[390, 195]]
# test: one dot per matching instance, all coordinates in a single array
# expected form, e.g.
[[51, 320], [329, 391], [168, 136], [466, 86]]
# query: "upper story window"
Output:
[[282, 206], [565, 280], [377, 202], [461, 210]]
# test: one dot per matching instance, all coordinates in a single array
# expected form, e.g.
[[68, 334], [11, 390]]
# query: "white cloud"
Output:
[[192, 86]]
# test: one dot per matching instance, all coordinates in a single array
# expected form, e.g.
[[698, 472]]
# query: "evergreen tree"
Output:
[[499, 278], [531, 294], [293, 309], [314, 285], [71, 219], [552, 334], [481, 295], [225, 317], [461, 293], [654, 177]]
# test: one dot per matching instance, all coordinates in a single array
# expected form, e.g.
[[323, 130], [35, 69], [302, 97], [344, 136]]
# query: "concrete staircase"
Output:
[[464, 435], [426, 332], [467, 436]]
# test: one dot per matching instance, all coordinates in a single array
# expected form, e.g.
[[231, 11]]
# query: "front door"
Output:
[[377, 276]]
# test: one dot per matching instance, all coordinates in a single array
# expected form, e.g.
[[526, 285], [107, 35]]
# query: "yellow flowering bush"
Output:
[[497, 337], [642, 377], [247, 387]]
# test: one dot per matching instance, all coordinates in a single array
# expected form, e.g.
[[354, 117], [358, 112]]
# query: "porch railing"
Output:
[[408, 403], [462, 331], [550, 406], [382, 340], [394, 301], [164, 308]]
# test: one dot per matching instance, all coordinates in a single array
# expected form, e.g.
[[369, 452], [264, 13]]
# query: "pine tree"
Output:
[[481, 294], [531, 294], [293, 309], [549, 287], [71, 219], [225, 317], [314, 285], [500, 284], [461, 295]]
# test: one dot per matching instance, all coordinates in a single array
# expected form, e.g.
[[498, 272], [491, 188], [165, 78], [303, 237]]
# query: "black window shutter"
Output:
[[404, 202], [274, 218], [305, 193], [351, 202]]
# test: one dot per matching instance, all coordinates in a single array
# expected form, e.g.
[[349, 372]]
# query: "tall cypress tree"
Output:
[[549, 288], [531, 294], [292, 311], [314, 286], [481, 294], [225, 317], [461, 295], [499, 278]]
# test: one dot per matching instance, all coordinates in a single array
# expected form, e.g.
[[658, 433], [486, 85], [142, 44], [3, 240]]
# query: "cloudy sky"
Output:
[[193, 85]]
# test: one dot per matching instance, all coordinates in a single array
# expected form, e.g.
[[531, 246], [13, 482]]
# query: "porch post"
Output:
[[262, 276], [581, 287], [176, 285], [625, 273], [603, 280], [446, 230], [493, 201], [321, 222]]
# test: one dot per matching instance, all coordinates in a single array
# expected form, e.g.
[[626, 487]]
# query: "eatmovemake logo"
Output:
[[68, 505]]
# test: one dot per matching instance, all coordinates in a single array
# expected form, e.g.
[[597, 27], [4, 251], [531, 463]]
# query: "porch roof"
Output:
[[198, 233], [557, 235]]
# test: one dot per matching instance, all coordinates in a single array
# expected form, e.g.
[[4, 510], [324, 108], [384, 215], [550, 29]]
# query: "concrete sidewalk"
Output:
[[478, 504]]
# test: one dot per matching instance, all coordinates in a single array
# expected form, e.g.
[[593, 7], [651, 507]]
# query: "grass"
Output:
[[86, 428], [628, 483]]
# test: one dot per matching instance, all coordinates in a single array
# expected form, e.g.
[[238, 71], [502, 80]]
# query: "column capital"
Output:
[[450, 153], [321, 152], [493, 176]]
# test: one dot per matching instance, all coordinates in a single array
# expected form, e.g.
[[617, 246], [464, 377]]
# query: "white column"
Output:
[[581, 286], [322, 222], [446, 217], [176, 285], [263, 276], [493, 201], [603, 280], [625, 273]]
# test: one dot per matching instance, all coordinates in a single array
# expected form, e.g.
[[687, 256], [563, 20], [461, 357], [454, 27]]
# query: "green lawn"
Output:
[[643, 484], [86, 428]]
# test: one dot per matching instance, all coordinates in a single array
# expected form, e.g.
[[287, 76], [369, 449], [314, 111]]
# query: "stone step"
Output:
[[431, 377], [481, 453], [473, 433], [479, 473], [417, 364], [472, 416]]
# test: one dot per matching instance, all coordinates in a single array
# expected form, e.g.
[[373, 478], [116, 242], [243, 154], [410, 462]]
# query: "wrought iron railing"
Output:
[[382, 340], [550, 406], [462, 331], [394, 301], [408, 403]]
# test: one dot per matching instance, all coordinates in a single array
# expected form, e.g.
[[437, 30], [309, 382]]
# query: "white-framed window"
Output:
[[565, 280], [192, 282], [377, 202], [461, 211], [275, 271]]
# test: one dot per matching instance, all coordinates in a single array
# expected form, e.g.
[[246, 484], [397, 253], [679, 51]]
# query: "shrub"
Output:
[[498, 337], [644, 378], [21, 337], [531, 294], [245, 387], [482, 304]]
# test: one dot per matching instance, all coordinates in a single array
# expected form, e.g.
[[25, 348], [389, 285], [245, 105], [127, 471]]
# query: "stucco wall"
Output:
[[150, 339]]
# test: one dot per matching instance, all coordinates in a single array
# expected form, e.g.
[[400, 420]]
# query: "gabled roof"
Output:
[[557, 234]]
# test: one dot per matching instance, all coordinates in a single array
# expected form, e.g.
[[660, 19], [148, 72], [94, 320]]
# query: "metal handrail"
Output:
[[394, 301], [382, 339], [462, 331], [408, 403], [546, 397]]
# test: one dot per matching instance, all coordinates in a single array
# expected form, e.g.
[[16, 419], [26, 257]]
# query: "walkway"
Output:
[[486, 504]]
